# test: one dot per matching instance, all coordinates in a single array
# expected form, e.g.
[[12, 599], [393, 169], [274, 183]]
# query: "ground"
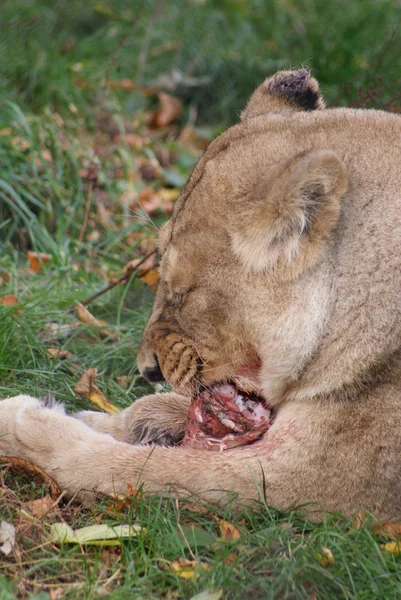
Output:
[[105, 108]]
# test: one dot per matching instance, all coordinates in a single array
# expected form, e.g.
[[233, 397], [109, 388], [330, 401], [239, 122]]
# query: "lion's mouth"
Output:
[[225, 416]]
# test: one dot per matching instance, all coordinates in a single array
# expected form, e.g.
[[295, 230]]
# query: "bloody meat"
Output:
[[224, 417]]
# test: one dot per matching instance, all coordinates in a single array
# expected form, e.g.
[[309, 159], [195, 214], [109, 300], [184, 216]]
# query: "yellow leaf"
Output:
[[327, 558], [87, 387], [187, 569], [96, 535], [87, 318], [393, 547], [169, 194]]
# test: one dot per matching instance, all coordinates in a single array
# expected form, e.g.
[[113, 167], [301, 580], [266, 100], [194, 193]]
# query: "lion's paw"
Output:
[[13, 411]]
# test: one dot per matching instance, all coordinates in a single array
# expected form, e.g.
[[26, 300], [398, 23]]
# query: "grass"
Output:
[[80, 169]]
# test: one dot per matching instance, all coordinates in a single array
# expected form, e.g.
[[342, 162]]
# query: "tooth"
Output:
[[225, 390]]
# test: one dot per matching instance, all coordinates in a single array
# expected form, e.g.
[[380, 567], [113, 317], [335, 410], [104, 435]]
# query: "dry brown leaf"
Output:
[[87, 318], [6, 131], [230, 559], [88, 388], [58, 353], [42, 506], [125, 501], [122, 84], [151, 278], [133, 140], [187, 569], [228, 532], [149, 263], [27, 468], [150, 201], [124, 380], [10, 300], [388, 529], [38, 259], [20, 144], [168, 111], [358, 520]]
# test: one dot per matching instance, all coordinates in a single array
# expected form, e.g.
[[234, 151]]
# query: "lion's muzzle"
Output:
[[167, 355]]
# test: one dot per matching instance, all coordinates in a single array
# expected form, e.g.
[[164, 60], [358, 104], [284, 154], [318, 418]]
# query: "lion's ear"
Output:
[[286, 91], [285, 222]]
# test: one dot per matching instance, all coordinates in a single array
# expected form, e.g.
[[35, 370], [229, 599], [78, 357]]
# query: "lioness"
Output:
[[280, 274]]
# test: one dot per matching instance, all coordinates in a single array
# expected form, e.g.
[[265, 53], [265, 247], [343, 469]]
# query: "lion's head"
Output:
[[249, 285]]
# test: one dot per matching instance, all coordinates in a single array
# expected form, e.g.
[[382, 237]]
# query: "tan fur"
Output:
[[281, 270]]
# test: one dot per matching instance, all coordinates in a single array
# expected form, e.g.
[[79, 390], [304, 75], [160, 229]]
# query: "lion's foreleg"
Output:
[[158, 418]]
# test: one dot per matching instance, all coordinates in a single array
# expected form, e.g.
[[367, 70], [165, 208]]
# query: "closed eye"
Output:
[[177, 299]]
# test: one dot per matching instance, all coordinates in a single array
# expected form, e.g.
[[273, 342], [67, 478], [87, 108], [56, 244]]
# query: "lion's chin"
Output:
[[224, 416]]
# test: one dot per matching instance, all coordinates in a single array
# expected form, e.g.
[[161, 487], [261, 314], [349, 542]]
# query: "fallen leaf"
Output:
[[87, 387], [28, 468], [228, 532], [7, 537], [124, 380], [122, 84], [20, 143], [151, 278], [58, 353], [187, 569], [327, 558], [133, 140], [131, 266], [38, 259], [168, 111], [6, 131], [87, 318], [151, 202], [207, 595], [169, 194], [10, 300], [47, 156], [358, 520], [393, 547], [40, 507], [230, 559], [388, 529], [95, 535]]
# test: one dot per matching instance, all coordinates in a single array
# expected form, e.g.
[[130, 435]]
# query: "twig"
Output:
[[121, 279], [182, 532]]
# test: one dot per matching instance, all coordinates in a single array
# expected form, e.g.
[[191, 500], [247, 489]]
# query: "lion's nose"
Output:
[[152, 372]]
